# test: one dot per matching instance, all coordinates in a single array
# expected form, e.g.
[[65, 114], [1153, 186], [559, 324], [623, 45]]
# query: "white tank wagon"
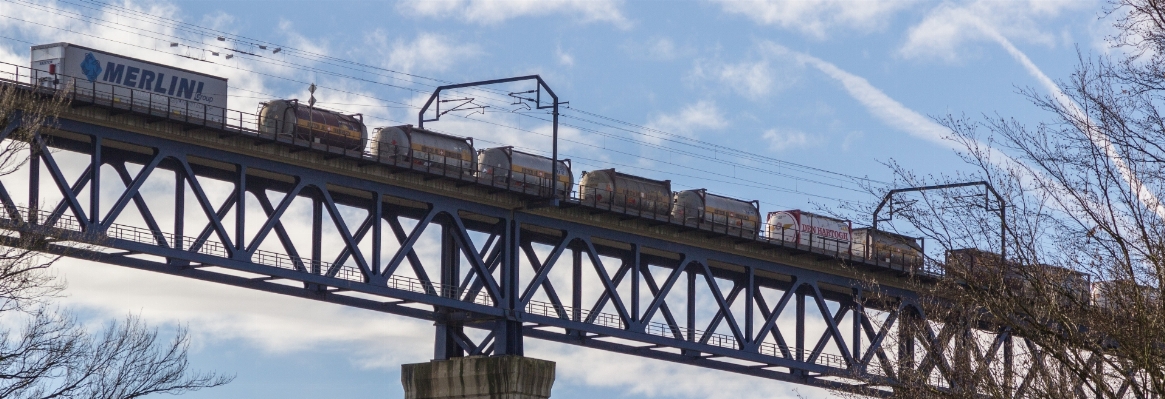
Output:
[[977, 264], [810, 230], [609, 189], [523, 172], [1114, 294], [121, 82], [311, 126], [899, 251], [717, 213], [434, 152]]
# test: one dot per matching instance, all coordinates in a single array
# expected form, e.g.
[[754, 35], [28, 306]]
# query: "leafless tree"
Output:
[[1076, 301], [44, 351]]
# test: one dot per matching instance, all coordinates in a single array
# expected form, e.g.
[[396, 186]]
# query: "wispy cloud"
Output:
[[689, 121], [784, 139], [880, 105], [752, 79], [658, 48], [425, 52], [495, 12], [947, 30], [564, 58], [817, 18]]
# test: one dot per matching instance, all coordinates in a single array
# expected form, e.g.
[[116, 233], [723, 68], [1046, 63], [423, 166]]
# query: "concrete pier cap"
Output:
[[479, 377]]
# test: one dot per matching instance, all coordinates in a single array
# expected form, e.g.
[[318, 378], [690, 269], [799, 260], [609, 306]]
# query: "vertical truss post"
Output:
[[1008, 364], [179, 216], [691, 304], [241, 210], [377, 231], [33, 182], [95, 182], [508, 331], [749, 303], [689, 270], [800, 334], [859, 312], [636, 267], [179, 210], [906, 331], [576, 284], [317, 233], [446, 346]]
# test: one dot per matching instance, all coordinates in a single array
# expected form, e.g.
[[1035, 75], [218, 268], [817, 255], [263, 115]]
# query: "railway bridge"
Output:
[[506, 266]]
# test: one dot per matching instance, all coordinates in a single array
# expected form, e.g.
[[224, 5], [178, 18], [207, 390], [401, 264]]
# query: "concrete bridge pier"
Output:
[[479, 377]]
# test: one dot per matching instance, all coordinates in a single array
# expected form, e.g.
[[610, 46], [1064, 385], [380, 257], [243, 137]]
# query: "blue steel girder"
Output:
[[488, 291]]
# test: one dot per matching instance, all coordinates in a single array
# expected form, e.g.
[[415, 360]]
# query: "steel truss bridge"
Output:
[[655, 289]]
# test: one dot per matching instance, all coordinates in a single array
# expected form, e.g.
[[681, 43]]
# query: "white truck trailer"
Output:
[[125, 82]]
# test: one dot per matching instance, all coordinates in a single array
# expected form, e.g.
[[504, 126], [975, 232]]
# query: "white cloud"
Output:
[[850, 139], [876, 102], [494, 12], [781, 139], [657, 49], [947, 30], [817, 18], [752, 79], [655, 378], [662, 48], [564, 58], [689, 121], [426, 52], [295, 39], [217, 313]]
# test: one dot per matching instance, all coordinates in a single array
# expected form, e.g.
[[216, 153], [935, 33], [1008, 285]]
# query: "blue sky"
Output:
[[801, 99]]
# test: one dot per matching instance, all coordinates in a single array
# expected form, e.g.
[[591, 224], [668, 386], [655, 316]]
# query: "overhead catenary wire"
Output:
[[681, 139], [404, 105], [702, 144]]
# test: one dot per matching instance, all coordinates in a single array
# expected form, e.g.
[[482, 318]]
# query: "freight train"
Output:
[[165, 90], [187, 95]]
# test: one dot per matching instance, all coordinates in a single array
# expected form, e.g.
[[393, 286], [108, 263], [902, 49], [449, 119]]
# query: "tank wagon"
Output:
[[717, 213], [1114, 294], [810, 230], [610, 189], [886, 247], [984, 265], [434, 152], [523, 172], [290, 120]]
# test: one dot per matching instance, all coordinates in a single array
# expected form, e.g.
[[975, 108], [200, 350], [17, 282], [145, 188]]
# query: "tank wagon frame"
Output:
[[436, 152], [733, 216], [288, 119], [613, 190], [524, 172]]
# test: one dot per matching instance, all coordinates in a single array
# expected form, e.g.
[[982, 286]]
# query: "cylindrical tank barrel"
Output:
[[609, 189], [524, 172], [717, 213], [290, 120], [432, 151]]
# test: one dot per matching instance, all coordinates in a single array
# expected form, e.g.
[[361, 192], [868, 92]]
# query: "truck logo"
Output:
[[147, 80], [90, 67]]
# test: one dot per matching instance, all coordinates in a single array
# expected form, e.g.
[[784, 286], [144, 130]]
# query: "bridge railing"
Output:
[[140, 235]]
